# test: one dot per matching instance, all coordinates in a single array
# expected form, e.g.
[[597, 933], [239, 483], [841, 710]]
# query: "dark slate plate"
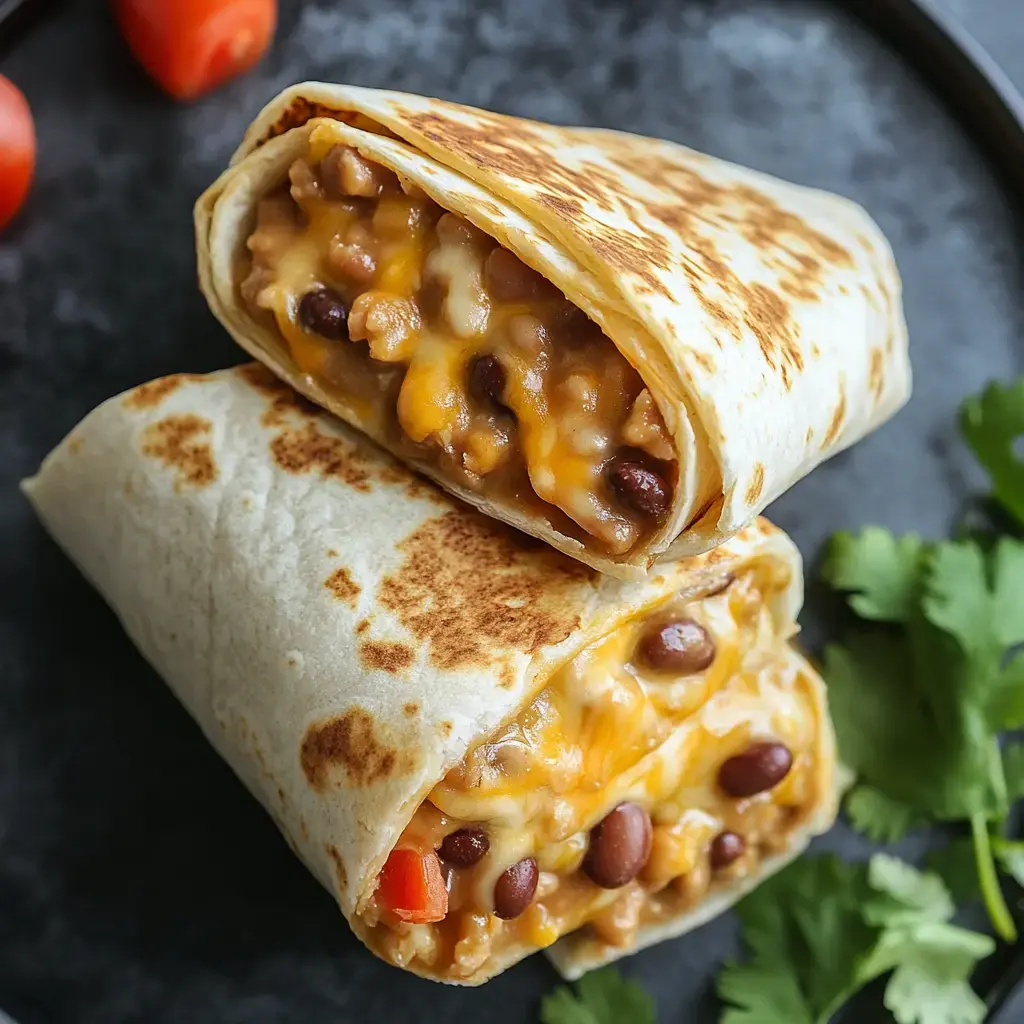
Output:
[[138, 881]]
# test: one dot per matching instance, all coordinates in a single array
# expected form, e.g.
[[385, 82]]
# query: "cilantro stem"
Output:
[[998, 912]]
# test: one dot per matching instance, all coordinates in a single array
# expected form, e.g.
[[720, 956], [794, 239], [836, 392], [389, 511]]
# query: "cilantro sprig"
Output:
[[822, 929], [601, 997], [924, 685]]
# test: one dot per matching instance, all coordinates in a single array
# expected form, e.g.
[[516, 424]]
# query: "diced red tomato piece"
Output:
[[192, 46], [412, 887], [17, 149]]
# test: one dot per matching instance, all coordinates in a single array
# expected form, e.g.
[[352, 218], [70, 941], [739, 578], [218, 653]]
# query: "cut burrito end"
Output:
[[618, 345], [625, 800], [481, 747], [458, 353]]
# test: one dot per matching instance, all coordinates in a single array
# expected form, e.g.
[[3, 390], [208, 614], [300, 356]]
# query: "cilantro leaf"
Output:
[[805, 935], [878, 816], [1006, 699], [881, 572], [1013, 770], [1010, 857], [601, 997], [980, 604], [904, 895], [884, 728], [761, 994], [821, 930], [929, 985], [918, 704], [990, 423]]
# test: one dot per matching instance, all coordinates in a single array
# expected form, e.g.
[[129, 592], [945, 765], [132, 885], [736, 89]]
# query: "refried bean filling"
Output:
[[458, 352], [668, 758]]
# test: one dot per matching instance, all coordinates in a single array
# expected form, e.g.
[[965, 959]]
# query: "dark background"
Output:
[[138, 881]]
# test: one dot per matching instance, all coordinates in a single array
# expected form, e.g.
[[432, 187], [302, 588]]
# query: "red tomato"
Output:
[[192, 46], [17, 149], [412, 888]]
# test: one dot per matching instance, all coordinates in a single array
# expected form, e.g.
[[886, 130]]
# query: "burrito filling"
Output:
[[459, 353], [665, 760]]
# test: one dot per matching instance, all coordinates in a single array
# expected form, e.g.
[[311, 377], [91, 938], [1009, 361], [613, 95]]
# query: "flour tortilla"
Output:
[[342, 630], [764, 317]]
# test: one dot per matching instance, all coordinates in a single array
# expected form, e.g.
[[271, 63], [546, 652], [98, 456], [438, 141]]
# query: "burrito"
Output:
[[620, 346], [479, 745]]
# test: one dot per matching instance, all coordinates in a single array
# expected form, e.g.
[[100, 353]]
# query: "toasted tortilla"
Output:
[[765, 318], [342, 631]]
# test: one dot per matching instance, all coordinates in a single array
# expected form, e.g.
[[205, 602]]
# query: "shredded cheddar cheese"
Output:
[[569, 403]]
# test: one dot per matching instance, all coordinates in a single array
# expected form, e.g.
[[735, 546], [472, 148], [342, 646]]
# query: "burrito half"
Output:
[[480, 746], [618, 345]]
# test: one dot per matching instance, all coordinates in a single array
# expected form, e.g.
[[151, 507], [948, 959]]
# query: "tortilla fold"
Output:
[[764, 318], [349, 638]]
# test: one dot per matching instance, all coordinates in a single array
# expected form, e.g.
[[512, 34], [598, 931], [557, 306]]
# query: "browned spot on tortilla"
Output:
[[75, 445], [706, 363], [420, 487], [809, 436], [756, 483], [151, 394], [446, 728], [341, 584], [355, 744], [179, 443], [837, 417], [362, 625], [506, 676], [876, 373], [386, 655], [303, 830], [340, 874], [331, 553], [307, 450], [412, 708], [280, 794], [470, 587]]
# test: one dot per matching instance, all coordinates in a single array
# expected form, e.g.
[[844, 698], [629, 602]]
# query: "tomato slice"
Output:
[[412, 888], [191, 46], [17, 149]]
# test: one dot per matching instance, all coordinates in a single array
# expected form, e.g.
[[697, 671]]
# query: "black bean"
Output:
[[681, 646], [760, 767], [513, 891], [619, 846], [726, 847], [487, 378], [323, 312], [464, 848], [639, 488]]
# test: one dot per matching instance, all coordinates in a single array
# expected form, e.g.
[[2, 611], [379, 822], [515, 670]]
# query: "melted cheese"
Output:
[[563, 446], [604, 731]]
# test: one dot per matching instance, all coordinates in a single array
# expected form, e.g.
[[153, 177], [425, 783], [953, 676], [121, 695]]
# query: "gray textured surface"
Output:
[[138, 882]]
